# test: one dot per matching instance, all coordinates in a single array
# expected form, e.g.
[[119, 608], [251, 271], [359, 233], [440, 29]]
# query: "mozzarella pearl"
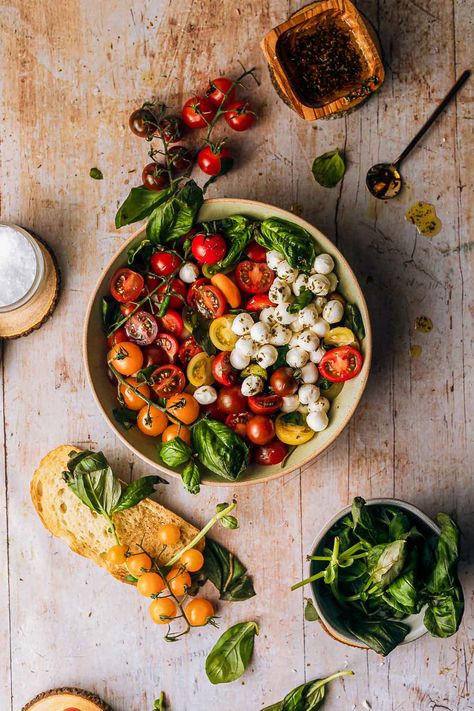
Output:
[[333, 311], [274, 258], [308, 315], [315, 356], [205, 395], [308, 393], [242, 324], [246, 346], [267, 315], [266, 356], [296, 326], [320, 327], [333, 281], [239, 360], [318, 284], [279, 292], [286, 272], [290, 403], [320, 302], [309, 373], [280, 335], [318, 421], [260, 332], [294, 340], [297, 357], [321, 405], [283, 314], [323, 264], [307, 340], [252, 385], [300, 283], [189, 272]]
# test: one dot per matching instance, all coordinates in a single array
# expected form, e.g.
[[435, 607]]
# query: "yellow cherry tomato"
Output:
[[173, 431], [130, 397], [221, 334], [179, 581], [228, 288], [192, 560], [117, 555], [151, 421], [162, 609], [169, 534], [199, 370], [125, 357], [199, 611], [340, 336], [291, 432], [139, 563], [150, 584], [184, 407]]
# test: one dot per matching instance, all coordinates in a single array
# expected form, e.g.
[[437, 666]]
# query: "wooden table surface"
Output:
[[72, 70]]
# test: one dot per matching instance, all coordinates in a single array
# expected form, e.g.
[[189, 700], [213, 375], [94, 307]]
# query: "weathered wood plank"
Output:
[[5, 667]]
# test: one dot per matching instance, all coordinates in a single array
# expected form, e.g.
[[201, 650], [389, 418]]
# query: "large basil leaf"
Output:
[[175, 452], [93, 481], [385, 562], [191, 478], [402, 594], [137, 491], [308, 696], [199, 327], [175, 217], [237, 231], [444, 613], [226, 573], [125, 416], [380, 635], [363, 524], [231, 654], [294, 242], [329, 168], [139, 203], [354, 320], [220, 449]]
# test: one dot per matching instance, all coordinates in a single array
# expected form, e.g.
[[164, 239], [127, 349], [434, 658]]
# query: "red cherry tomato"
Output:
[[155, 177], [142, 123], [126, 285], [222, 370], [208, 248], [198, 111], [154, 355], [141, 328], [169, 344], [172, 322], [283, 382], [254, 277], [170, 129], [168, 380], [126, 309], [231, 400], [217, 90], [151, 282], [258, 302], [265, 404], [118, 336], [238, 422], [193, 290], [260, 429], [256, 252], [239, 116], [272, 453], [340, 364], [214, 411], [164, 263], [181, 159], [175, 301], [210, 301], [188, 349], [215, 160]]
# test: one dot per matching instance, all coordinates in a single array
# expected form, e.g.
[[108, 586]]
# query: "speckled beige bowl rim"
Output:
[[362, 377]]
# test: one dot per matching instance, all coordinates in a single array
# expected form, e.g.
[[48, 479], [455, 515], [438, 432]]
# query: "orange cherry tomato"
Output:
[[162, 610], [131, 399], [192, 560], [169, 534], [183, 407], [126, 357], [173, 431], [151, 421], [138, 563], [199, 611], [179, 581], [117, 555], [228, 288], [150, 584]]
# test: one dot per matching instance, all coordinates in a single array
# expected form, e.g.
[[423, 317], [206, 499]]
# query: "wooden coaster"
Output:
[[28, 318], [66, 699]]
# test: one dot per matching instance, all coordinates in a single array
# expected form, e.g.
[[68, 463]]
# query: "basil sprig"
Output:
[[220, 449], [329, 168], [139, 204], [306, 697], [236, 230], [293, 241], [174, 217], [231, 654]]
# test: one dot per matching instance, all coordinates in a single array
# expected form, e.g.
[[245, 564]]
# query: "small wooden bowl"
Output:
[[365, 38], [65, 698]]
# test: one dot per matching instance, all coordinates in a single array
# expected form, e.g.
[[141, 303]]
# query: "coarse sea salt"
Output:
[[18, 265]]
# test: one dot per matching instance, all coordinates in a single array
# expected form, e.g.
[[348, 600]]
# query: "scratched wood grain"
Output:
[[72, 70]]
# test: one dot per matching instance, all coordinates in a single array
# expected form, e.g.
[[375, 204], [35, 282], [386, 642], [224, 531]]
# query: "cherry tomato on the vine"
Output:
[[169, 344], [192, 560], [164, 263], [151, 420], [162, 610], [256, 252], [142, 123], [117, 555], [150, 584], [239, 116], [198, 112], [238, 422], [118, 336], [155, 176], [138, 564], [181, 159], [176, 300], [126, 358], [183, 408], [272, 453], [217, 90], [130, 397], [126, 285], [179, 581], [215, 160], [199, 611], [208, 248], [173, 431], [172, 322], [169, 534], [170, 129]]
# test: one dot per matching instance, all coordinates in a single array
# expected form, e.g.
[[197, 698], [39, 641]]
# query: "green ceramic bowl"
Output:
[[342, 408]]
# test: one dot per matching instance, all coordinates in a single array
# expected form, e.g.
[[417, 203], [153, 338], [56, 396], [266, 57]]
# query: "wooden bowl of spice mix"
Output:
[[324, 59]]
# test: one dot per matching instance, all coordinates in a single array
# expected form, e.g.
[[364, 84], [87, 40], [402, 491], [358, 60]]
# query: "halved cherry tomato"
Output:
[[176, 302], [154, 355], [131, 399], [199, 370], [217, 90], [260, 429], [118, 336], [222, 370], [210, 301], [164, 263], [198, 111], [340, 364], [168, 380], [141, 328], [256, 252], [126, 357], [272, 453], [184, 407], [228, 288], [238, 422], [265, 404], [254, 277], [221, 333], [126, 285], [215, 412], [208, 248], [258, 302], [169, 344], [193, 290], [172, 322], [231, 400], [239, 116], [188, 348]]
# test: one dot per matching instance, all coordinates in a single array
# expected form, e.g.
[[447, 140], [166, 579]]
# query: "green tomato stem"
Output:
[[203, 532]]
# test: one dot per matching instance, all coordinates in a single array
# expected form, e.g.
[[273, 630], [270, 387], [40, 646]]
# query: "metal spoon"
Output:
[[383, 179]]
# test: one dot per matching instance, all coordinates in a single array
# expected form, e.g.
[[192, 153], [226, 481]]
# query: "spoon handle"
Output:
[[451, 93]]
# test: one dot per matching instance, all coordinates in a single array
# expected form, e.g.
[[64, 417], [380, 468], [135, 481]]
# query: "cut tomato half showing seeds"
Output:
[[141, 328], [340, 364], [168, 380]]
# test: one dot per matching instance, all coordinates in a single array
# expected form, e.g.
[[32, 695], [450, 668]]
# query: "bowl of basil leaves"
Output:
[[382, 573]]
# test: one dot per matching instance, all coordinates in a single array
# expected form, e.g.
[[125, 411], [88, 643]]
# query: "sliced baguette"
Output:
[[86, 533]]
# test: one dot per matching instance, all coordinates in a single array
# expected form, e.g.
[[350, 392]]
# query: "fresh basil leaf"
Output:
[[143, 250], [380, 635], [231, 654], [444, 613], [191, 478], [220, 449], [93, 481], [227, 521], [236, 230], [293, 241], [281, 358], [386, 561], [304, 298], [310, 613], [175, 217], [137, 491], [110, 312], [175, 452], [307, 697], [160, 703], [144, 375], [363, 523], [96, 174], [226, 573], [125, 417], [293, 418], [402, 595], [354, 320], [324, 384], [161, 221], [329, 168], [199, 328], [139, 203]]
